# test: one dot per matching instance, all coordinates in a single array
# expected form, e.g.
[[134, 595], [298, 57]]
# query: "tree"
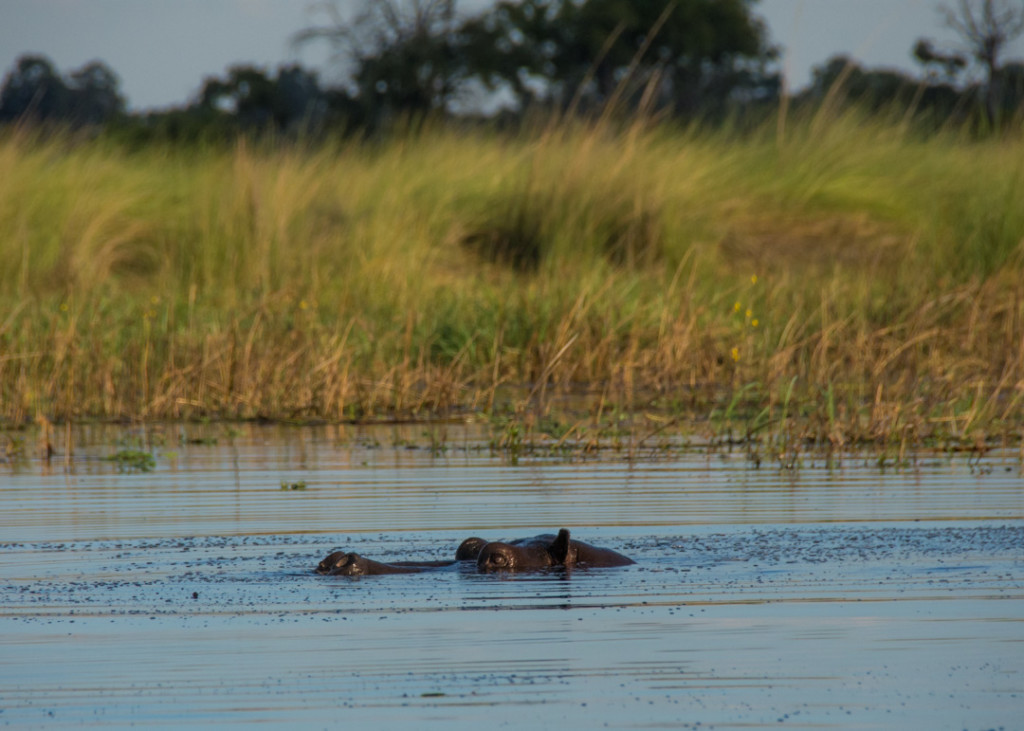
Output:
[[986, 28], [931, 102], [873, 90], [254, 100], [687, 55], [514, 48], [35, 91], [95, 97], [950, 64], [683, 55], [402, 55]]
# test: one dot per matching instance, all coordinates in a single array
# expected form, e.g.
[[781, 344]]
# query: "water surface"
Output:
[[845, 597]]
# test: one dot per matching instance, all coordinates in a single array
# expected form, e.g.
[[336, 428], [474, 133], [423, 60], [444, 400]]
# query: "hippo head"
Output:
[[352, 565], [497, 556], [329, 564]]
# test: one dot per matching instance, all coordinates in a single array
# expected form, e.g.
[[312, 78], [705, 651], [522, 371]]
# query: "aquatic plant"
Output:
[[133, 460]]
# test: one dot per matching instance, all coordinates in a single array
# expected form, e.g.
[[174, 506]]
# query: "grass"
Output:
[[850, 284]]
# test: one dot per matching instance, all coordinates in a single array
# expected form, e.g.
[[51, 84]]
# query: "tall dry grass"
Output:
[[851, 282]]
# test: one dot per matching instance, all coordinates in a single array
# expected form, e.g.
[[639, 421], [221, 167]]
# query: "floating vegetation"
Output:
[[133, 460]]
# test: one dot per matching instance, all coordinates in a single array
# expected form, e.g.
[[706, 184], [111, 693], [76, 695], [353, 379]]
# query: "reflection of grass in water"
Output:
[[858, 285]]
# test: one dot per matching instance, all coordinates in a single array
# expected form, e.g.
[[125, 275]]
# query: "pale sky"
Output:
[[163, 49]]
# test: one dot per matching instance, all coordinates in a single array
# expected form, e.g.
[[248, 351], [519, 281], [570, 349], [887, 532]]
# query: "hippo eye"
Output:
[[499, 559]]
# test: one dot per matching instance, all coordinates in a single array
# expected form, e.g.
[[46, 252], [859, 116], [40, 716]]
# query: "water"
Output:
[[844, 598]]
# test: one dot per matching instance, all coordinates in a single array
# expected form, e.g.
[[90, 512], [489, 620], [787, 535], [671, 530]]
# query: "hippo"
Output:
[[340, 563], [524, 554], [540, 553]]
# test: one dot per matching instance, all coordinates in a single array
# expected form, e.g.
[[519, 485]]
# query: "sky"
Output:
[[163, 49]]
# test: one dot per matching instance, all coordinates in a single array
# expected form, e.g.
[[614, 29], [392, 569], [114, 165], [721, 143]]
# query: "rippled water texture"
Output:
[[847, 597]]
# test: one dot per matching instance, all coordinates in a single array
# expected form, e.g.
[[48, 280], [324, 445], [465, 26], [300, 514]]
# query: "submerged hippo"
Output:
[[340, 563], [525, 554]]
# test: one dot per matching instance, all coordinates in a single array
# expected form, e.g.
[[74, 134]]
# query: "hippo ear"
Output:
[[559, 549]]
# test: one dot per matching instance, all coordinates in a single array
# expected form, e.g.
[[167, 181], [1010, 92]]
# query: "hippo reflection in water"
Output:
[[525, 554]]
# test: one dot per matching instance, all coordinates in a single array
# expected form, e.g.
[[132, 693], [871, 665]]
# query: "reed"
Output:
[[849, 284]]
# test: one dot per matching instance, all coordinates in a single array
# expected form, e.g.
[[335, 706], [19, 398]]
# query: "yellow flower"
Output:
[[63, 306], [735, 352], [303, 305], [753, 279], [749, 313], [753, 323], [737, 307]]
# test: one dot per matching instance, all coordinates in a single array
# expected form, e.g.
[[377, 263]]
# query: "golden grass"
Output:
[[851, 284]]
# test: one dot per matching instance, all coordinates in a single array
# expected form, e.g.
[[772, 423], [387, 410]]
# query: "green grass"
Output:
[[850, 283]]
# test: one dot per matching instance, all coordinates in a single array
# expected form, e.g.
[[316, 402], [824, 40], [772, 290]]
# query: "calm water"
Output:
[[847, 598]]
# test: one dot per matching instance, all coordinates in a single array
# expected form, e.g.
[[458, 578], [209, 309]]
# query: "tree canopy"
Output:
[[687, 55], [34, 91]]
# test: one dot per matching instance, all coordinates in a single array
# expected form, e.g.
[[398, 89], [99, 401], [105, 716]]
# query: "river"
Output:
[[837, 594]]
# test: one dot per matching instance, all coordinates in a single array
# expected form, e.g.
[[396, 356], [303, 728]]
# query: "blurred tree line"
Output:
[[408, 59], [34, 91]]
